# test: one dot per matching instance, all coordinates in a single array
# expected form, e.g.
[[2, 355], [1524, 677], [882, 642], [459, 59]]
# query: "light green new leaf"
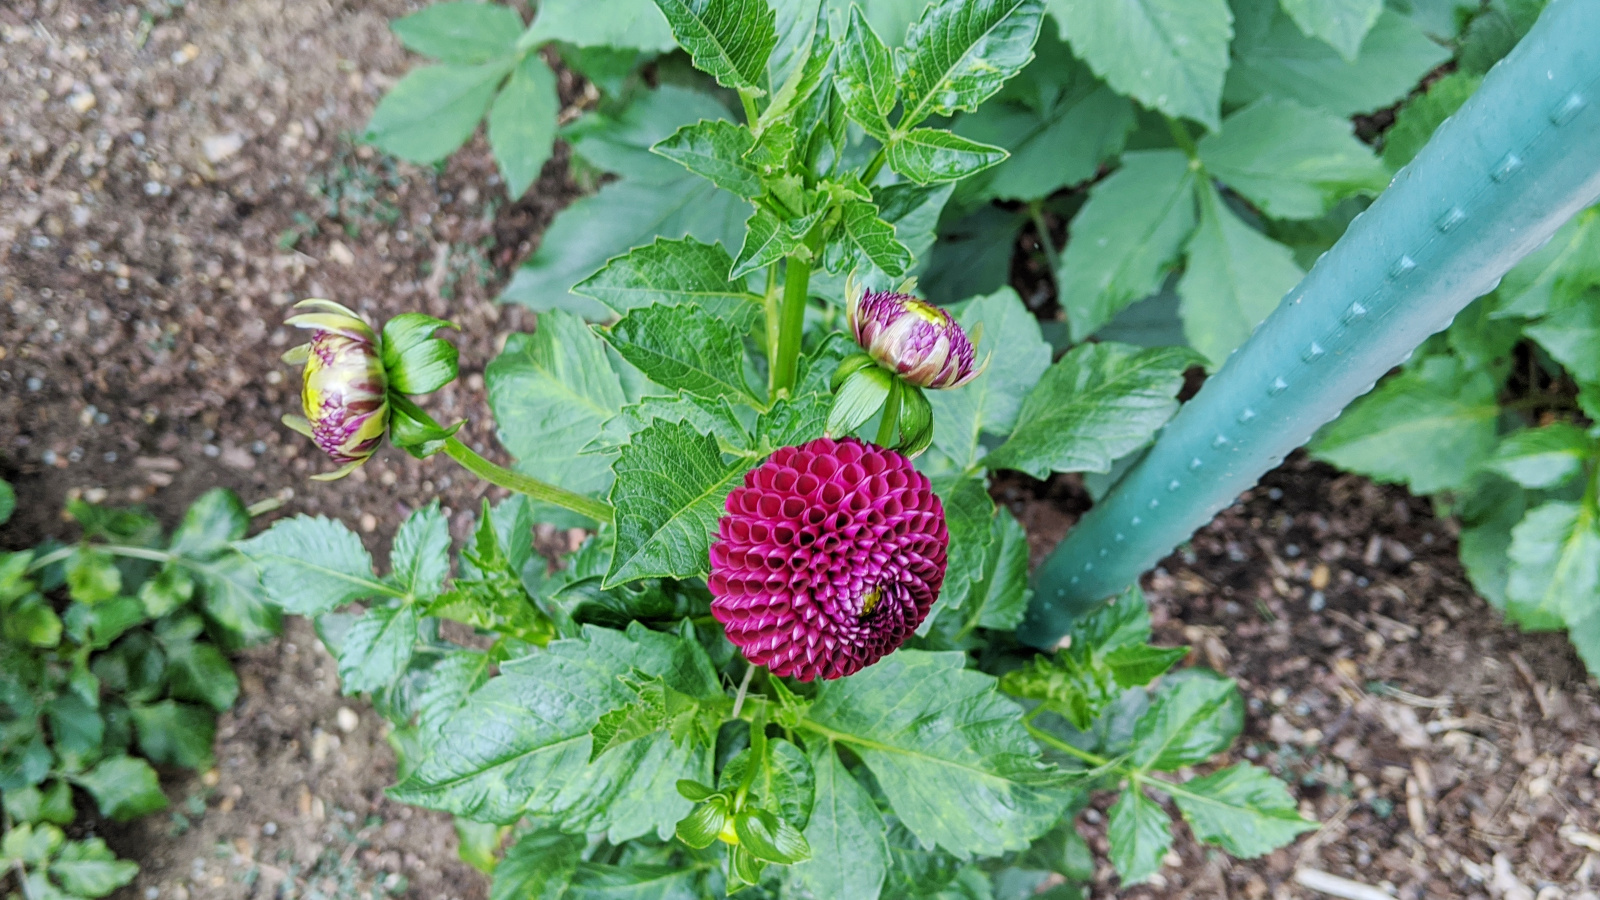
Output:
[[550, 392], [684, 348], [522, 123], [1234, 278], [124, 787], [727, 39], [1290, 160], [311, 565], [1170, 55], [88, 868], [670, 487], [961, 52], [1416, 121], [849, 857], [1126, 238], [1017, 355], [1439, 405], [1096, 405], [1341, 24], [615, 24], [1555, 565], [460, 32], [934, 156], [175, 734], [1572, 335], [1242, 809], [539, 866], [520, 744], [1542, 458], [420, 557], [866, 76], [1272, 57], [715, 149], [994, 796], [434, 109], [1195, 715], [671, 273], [1139, 834], [1555, 276], [864, 240], [377, 648]]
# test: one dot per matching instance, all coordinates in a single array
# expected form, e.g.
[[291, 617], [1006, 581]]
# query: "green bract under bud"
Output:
[[346, 390]]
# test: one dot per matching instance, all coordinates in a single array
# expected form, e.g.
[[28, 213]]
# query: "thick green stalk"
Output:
[[1496, 180], [891, 414], [791, 322]]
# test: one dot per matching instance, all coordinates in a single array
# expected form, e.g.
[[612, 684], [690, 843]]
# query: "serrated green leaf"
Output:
[[1555, 565], [792, 420], [995, 794], [1018, 355], [727, 39], [620, 24], [684, 348], [1416, 121], [1139, 834], [377, 648], [1572, 335], [864, 68], [960, 53], [969, 515], [550, 392], [1190, 719], [1488, 512], [1096, 405], [198, 671], [1234, 278], [1000, 598], [1242, 809], [671, 273], [865, 240], [849, 856], [670, 486], [1554, 276], [1271, 57], [538, 866], [522, 123], [714, 417], [1127, 237], [124, 787], [434, 109], [175, 734], [88, 868], [235, 600], [1440, 405], [460, 32], [935, 156], [1170, 55], [76, 729], [1542, 458], [521, 743], [210, 523], [420, 556], [311, 565], [714, 149], [1292, 161], [768, 239], [1341, 24], [1138, 666]]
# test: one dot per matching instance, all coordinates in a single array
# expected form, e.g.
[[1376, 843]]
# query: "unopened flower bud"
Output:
[[346, 391], [913, 338]]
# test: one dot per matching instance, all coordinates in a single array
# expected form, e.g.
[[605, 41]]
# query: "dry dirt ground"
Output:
[[176, 174]]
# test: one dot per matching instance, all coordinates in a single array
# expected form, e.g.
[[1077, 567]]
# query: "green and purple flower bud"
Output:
[[912, 338], [346, 390]]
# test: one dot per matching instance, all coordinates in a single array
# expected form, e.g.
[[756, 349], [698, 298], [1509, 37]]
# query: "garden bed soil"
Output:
[[175, 175]]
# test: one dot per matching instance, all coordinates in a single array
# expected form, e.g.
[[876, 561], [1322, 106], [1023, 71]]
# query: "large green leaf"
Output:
[[671, 273], [635, 24], [420, 557], [848, 855], [377, 648], [866, 76], [715, 149], [1170, 55], [1439, 405], [969, 514], [684, 348], [214, 520], [124, 787], [635, 882], [1555, 565], [1242, 809], [1096, 405], [1272, 57], [550, 392], [1572, 335], [1127, 237], [311, 565], [994, 795], [460, 32], [539, 866], [522, 123], [1292, 161], [961, 51], [521, 743], [434, 109], [1017, 355], [1000, 597], [1341, 24], [670, 487], [1195, 715], [1234, 278], [935, 156], [727, 39], [1139, 834]]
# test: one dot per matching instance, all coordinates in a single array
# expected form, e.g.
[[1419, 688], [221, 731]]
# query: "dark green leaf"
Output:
[[311, 565], [715, 149], [1292, 161], [866, 76], [1094, 406], [522, 123], [727, 39], [176, 734], [1242, 809], [210, 523], [1341, 24], [1572, 336], [539, 866], [434, 109], [88, 868], [1017, 354], [1139, 836], [864, 240], [460, 32], [671, 273], [1191, 719], [377, 647], [420, 557], [684, 348], [124, 787], [933, 156], [235, 601], [76, 729], [199, 672], [960, 53], [670, 486], [1542, 457]]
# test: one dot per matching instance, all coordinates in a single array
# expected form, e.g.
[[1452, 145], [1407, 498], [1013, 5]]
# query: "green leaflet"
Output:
[[175, 734], [377, 647], [635, 24], [1139, 834], [1555, 276], [864, 241], [1542, 457], [1572, 335], [538, 866], [1097, 404], [1194, 715], [671, 273], [996, 795], [1341, 24], [1416, 121], [1555, 565], [848, 855], [1242, 809], [684, 348], [969, 514], [934, 156], [866, 76], [420, 557], [124, 787], [460, 32], [960, 52], [522, 123], [727, 39], [434, 109], [311, 565], [715, 149], [1017, 355]]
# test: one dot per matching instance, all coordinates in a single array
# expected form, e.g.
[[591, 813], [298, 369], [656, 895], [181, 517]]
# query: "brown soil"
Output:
[[152, 239]]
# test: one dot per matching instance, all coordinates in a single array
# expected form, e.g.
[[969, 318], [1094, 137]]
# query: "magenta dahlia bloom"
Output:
[[828, 558], [914, 338]]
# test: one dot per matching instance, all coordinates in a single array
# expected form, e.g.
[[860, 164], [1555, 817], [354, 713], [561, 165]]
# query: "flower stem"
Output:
[[891, 414], [1181, 136], [791, 322], [874, 166], [770, 322], [1052, 259]]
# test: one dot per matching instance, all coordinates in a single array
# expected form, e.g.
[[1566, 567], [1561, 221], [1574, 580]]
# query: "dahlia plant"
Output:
[[774, 666]]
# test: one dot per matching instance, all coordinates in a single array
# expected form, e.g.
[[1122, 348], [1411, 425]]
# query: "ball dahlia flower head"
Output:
[[828, 558]]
